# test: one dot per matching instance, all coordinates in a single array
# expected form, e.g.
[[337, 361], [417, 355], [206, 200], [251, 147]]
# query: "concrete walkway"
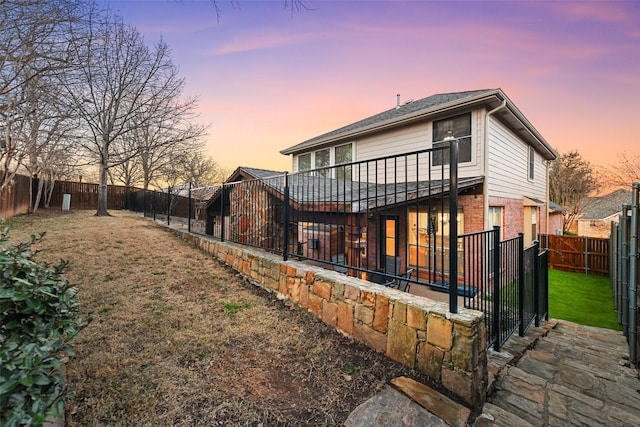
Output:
[[560, 374]]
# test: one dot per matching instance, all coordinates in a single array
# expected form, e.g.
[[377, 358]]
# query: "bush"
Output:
[[38, 316]]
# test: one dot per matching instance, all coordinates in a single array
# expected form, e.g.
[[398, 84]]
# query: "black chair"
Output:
[[401, 283]]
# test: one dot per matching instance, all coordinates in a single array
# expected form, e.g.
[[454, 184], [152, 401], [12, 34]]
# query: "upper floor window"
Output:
[[332, 156], [532, 162], [323, 159], [343, 154], [304, 162], [458, 127]]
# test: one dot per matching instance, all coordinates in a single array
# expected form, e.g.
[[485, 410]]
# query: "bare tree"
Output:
[[119, 86], [32, 50], [571, 179], [159, 140], [624, 173]]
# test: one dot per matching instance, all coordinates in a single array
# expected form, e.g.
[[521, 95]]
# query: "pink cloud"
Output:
[[252, 42]]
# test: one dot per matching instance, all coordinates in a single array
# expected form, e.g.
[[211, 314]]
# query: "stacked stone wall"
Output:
[[417, 332]]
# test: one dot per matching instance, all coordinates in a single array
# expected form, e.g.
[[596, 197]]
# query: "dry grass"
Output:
[[179, 339]]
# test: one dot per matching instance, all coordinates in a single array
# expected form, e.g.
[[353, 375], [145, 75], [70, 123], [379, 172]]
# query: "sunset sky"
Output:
[[269, 77]]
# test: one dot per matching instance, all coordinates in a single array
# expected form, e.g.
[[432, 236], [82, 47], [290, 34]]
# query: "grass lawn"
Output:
[[178, 339], [583, 299]]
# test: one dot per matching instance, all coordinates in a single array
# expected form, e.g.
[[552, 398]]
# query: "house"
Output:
[[598, 214], [503, 166], [376, 195], [555, 218]]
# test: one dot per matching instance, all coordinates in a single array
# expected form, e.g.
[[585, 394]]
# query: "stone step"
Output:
[[450, 411]]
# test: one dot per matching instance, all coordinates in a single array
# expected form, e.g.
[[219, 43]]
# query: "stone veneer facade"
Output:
[[415, 331]]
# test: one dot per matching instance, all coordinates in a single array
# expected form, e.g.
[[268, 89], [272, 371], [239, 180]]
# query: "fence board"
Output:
[[14, 199], [587, 255]]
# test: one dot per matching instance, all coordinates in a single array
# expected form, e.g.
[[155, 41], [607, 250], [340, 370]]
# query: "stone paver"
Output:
[[573, 375]]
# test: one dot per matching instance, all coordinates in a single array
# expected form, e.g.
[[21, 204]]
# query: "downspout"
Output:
[[486, 162], [547, 163]]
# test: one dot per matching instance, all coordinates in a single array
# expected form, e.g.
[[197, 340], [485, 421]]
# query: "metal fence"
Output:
[[389, 220], [624, 272], [514, 298], [168, 206]]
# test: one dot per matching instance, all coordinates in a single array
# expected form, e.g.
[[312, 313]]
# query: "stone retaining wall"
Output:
[[415, 331]]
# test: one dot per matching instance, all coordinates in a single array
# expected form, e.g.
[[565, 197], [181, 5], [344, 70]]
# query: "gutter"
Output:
[[486, 162]]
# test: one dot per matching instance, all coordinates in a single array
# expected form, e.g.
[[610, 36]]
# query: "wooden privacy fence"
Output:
[[85, 195], [588, 255], [15, 199]]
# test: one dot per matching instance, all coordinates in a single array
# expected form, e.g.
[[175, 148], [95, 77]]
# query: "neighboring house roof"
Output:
[[244, 173], [430, 108], [554, 207], [598, 208]]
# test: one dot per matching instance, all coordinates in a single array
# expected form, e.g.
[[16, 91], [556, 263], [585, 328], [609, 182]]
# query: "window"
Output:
[[343, 154], [304, 162], [323, 158], [444, 130], [495, 217], [429, 240], [532, 158]]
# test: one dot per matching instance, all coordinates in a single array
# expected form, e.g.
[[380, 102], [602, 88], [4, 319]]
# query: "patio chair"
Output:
[[401, 283], [339, 259]]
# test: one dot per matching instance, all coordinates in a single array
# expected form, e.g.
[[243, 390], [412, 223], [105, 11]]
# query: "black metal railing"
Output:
[[169, 206], [512, 296], [379, 218]]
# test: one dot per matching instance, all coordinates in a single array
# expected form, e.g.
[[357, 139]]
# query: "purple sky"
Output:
[[268, 79]]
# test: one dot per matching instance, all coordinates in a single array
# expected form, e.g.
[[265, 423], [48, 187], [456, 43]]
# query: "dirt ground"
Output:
[[179, 339]]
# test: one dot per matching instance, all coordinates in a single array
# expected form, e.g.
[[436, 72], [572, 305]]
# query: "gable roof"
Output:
[[429, 108], [605, 206]]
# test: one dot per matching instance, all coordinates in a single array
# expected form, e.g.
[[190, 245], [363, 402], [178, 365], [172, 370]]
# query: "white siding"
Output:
[[508, 166], [419, 137]]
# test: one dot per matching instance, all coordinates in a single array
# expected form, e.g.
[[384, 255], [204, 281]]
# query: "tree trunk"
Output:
[[102, 189], [51, 182], [36, 203]]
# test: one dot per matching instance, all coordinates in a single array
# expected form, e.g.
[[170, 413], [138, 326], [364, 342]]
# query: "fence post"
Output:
[[521, 283], [285, 250], [624, 221], [189, 209], [154, 206], [536, 281], [586, 254], [168, 206], [223, 191], [497, 257], [633, 271], [453, 226]]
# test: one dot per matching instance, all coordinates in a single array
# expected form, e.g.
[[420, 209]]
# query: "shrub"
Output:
[[38, 316]]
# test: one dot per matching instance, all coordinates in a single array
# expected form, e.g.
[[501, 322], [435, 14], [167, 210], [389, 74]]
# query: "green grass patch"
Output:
[[582, 299], [232, 308]]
